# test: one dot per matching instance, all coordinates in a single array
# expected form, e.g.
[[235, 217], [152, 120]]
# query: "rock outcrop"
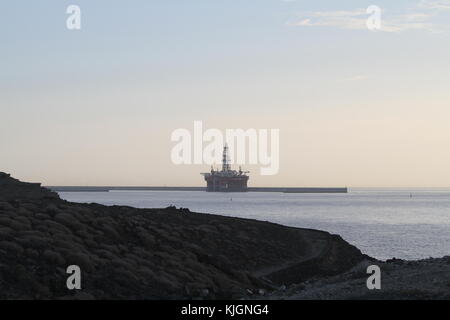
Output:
[[427, 279], [128, 253], [14, 190]]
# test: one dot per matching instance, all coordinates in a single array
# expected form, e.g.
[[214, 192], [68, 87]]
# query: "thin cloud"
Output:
[[418, 18], [357, 78], [435, 4], [355, 20]]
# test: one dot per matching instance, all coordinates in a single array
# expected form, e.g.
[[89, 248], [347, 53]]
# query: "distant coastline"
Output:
[[254, 189]]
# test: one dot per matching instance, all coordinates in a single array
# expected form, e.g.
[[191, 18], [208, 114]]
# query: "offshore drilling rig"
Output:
[[226, 180]]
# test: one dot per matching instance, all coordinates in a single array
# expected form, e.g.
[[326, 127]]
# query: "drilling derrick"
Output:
[[227, 180], [225, 160]]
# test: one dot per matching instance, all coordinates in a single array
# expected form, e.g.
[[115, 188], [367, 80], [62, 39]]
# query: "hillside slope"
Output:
[[128, 253]]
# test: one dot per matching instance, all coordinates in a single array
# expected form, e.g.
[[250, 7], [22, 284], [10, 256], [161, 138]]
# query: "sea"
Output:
[[383, 223]]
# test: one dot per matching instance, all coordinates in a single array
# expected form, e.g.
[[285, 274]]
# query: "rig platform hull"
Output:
[[226, 180], [217, 183]]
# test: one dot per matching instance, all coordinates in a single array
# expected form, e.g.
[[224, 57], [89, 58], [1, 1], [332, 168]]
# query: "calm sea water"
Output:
[[382, 223]]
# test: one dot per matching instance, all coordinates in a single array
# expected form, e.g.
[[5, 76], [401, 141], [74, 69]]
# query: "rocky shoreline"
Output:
[[427, 279], [170, 253]]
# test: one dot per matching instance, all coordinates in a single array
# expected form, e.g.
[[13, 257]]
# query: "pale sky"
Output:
[[354, 107]]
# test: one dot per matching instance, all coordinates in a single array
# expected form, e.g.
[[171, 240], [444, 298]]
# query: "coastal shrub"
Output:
[[6, 233], [221, 281], [42, 216], [10, 214], [19, 226], [56, 227], [111, 248], [197, 266], [146, 239], [147, 262], [82, 234], [122, 248], [81, 260], [31, 253], [240, 276], [193, 248], [120, 262], [144, 254], [63, 218], [34, 242], [86, 212], [5, 221], [207, 228], [205, 280], [173, 263], [147, 273], [171, 284], [61, 241], [194, 289], [104, 221], [41, 228], [90, 243], [31, 207], [141, 230], [77, 216], [180, 275], [70, 222], [173, 240], [151, 228], [223, 228], [5, 206], [30, 233], [22, 212], [111, 232], [51, 209], [188, 255], [105, 254], [11, 247], [161, 234], [23, 220], [165, 256], [134, 259], [23, 278], [54, 257]]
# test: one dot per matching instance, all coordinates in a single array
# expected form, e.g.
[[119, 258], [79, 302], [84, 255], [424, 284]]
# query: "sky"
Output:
[[97, 106]]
